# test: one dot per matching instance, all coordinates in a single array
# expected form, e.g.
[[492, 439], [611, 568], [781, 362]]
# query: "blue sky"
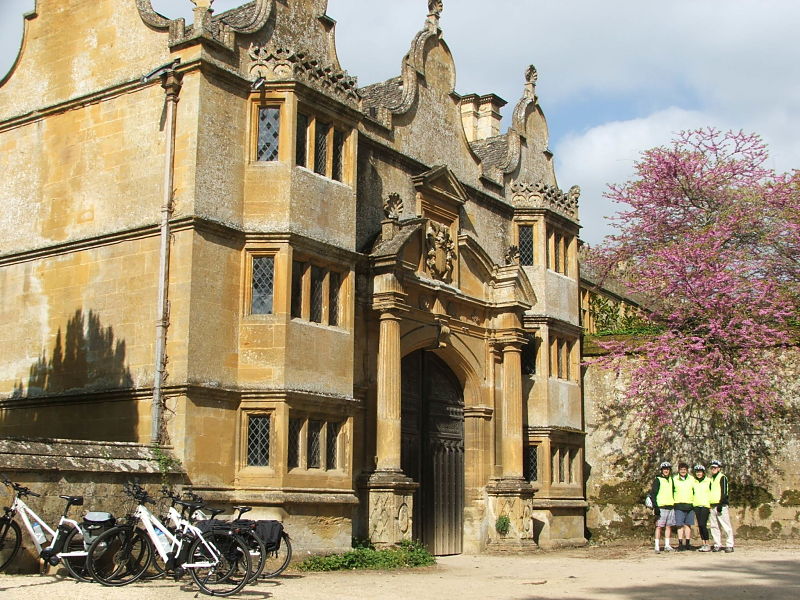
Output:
[[615, 77]]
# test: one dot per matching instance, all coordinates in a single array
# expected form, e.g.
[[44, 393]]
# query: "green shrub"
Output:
[[502, 525], [406, 554]]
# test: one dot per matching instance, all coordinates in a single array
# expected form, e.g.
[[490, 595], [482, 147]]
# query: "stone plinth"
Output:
[[512, 497], [391, 507]]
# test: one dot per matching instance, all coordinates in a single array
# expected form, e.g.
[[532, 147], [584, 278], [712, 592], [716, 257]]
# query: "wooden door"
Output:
[[433, 450]]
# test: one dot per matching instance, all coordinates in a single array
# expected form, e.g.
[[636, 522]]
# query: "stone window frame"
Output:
[[257, 102], [564, 363], [336, 127], [565, 469], [532, 447], [560, 251], [303, 443], [533, 223], [244, 468], [301, 305], [560, 451], [277, 276]]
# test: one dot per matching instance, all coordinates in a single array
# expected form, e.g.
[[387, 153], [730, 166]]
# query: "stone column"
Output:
[[391, 493], [512, 411], [510, 495], [388, 426]]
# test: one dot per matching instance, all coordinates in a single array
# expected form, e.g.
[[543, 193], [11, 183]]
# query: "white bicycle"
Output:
[[68, 542], [217, 560]]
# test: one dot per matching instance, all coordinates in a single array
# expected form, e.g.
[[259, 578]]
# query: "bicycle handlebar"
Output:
[[21, 490]]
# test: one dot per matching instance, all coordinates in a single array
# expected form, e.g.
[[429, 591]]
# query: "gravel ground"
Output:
[[771, 572]]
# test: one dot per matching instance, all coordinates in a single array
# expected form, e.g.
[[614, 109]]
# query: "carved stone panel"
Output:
[[440, 254]]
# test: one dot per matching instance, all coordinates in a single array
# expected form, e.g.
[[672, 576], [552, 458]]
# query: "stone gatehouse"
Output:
[[355, 308]]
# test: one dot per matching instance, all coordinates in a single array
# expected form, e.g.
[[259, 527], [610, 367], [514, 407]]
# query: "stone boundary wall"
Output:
[[616, 509], [95, 470]]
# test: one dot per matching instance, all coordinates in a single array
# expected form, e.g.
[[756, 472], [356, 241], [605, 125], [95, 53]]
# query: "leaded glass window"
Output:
[[293, 457], [268, 130], [258, 440], [314, 444], [526, 245], [338, 154], [321, 147], [301, 154], [317, 281], [334, 284], [262, 285], [297, 289], [332, 445], [531, 464]]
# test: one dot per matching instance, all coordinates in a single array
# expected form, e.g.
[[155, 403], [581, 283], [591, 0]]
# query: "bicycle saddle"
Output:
[[73, 500]]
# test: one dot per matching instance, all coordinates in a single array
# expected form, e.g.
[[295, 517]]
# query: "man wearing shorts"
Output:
[[661, 497], [683, 484]]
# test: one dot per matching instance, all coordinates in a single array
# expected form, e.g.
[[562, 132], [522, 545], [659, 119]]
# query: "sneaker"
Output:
[[669, 549], [658, 551], [716, 549], [705, 548], [729, 549]]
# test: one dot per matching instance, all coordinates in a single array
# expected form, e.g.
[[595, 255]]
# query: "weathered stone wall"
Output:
[[96, 471], [616, 508]]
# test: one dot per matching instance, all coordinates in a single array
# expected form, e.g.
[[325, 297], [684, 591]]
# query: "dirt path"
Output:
[[606, 573]]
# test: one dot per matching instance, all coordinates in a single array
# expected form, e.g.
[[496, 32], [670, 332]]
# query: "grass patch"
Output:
[[404, 555]]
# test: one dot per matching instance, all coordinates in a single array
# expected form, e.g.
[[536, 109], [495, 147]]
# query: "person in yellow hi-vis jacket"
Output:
[[701, 492], [720, 515], [661, 500], [682, 484]]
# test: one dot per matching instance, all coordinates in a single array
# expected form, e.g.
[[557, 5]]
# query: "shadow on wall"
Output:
[[85, 356], [83, 390]]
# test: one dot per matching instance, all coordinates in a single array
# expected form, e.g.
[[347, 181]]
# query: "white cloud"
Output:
[[606, 154]]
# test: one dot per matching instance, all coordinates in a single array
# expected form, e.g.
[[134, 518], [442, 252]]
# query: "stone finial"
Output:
[[206, 4], [435, 8], [574, 193], [512, 255], [531, 77], [393, 206]]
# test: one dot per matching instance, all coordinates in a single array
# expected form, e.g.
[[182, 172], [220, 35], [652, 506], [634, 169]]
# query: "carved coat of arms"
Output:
[[441, 251]]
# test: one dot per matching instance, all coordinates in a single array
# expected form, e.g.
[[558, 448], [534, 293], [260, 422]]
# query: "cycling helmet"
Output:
[[716, 463], [665, 465], [699, 467]]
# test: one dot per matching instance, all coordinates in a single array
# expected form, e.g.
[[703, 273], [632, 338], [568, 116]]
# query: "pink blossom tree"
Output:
[[709, 244]]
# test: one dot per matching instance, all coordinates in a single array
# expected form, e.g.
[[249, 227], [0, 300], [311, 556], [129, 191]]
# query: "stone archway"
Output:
[[432, 451]]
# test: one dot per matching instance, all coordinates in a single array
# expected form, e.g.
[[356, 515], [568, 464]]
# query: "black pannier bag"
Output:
[[270, 533], [95, 523]]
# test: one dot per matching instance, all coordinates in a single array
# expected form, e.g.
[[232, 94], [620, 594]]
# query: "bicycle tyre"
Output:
[[258, 554], [76, 565], [277, 560], [10, 541], [119, 556], [230, 573]]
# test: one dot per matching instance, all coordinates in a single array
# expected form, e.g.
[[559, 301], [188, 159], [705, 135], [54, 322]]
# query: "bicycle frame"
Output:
[[152, 524], [26, 513]]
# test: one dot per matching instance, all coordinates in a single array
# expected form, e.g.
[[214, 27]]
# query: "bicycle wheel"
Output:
[[258, 554], [76, 565], [278, 559], [10, 540], [228, 560], [119, 556]]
